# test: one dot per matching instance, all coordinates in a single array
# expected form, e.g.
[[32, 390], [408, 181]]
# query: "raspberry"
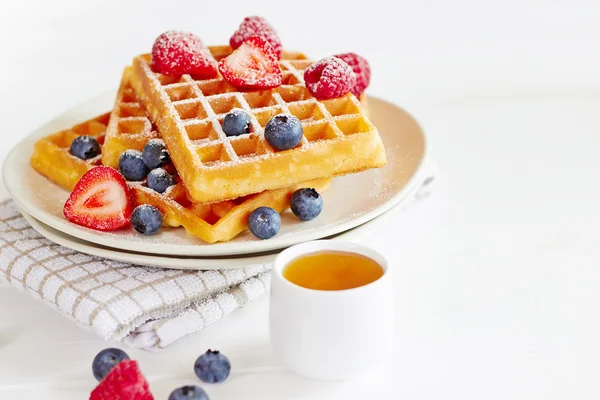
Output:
[[256, 26], [177, 53], [329, 77], [124, 382], [361, 68]]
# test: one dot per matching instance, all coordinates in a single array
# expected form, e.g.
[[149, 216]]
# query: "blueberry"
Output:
[[236, 122], [189, 393], [212, 367], [131, 165], [146, 219], [283, 132], [306, 204], [160, 180], [155, 154], [264, 222], [106, 360], [85, 147]]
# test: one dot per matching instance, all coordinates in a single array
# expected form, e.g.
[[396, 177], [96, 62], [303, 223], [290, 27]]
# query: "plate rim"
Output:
[[12, 187]]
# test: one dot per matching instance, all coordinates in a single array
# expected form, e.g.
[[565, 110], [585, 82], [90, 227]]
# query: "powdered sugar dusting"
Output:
[[329, 77], [177, 53], [256, 26]]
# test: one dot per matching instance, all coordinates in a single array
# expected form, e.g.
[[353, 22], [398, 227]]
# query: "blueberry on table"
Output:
[[155, 154], [106, 360], [132, 166], [306, 204], [236, 122], [212, 367], [264, 222], [146, 219], [85, 147], [284, 132], [189, 393], [160, 180]]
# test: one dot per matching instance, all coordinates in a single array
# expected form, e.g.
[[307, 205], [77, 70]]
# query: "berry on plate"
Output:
[[306, 204], [253, 65], [361, 68], [124, 382], [155, 154], [189, 393], [106, 360], [146, 219], [264, 222], [212, 366], [101, 200], [132, 166], [256, 26], [284, 132], [177, 53], [85, 147], [329, 77], [236, 122], [160, 180]]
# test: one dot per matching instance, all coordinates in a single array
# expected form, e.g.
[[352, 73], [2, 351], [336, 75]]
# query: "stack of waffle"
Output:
[[220, 179]]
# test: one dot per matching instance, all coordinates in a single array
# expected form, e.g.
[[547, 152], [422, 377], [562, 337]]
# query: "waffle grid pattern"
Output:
[[214, 222], [190, 112], [129, 127]]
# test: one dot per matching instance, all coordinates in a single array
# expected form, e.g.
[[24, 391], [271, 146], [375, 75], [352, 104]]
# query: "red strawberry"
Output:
[[124, 382], [253, 65], [101, 200], [361, 68], [256, 26], [177, 53]]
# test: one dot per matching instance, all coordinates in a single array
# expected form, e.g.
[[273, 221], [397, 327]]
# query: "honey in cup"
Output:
[[332, 270]]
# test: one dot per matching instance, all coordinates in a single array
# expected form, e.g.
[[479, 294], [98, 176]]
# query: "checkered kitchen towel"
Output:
[[145, 307]]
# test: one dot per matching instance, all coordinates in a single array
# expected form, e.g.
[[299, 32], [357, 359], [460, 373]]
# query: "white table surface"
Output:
[[499, 281]]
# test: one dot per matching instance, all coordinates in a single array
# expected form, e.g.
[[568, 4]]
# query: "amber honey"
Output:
[[332, 270]]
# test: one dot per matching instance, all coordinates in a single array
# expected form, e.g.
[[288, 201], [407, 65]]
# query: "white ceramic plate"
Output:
[[349, 202], [357, 234]]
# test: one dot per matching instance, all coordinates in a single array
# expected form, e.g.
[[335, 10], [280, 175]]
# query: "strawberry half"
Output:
[[253, 65], [101, 200], [124, 382]]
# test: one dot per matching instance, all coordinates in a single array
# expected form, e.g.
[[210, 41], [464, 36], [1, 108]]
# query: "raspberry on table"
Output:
[[256, 26], [361, 68], [177, 53], [124, 382], [329, 77]]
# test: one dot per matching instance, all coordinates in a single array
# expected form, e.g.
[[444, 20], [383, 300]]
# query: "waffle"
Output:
[[338, 137], [214, 222], [129, 127]]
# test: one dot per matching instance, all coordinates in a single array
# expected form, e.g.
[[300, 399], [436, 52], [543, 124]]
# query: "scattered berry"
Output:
[[101, 200], [236, 122], [256, 26], [361, 68], [155, 154], [132, 166], [264, 222], [189, 393], [212, 366], [329, 77], [306, 204], [253, 65], [284, 131], [106, 360], [146, 219], [177, 53], [124, 382], [160, 180], [85, 147]]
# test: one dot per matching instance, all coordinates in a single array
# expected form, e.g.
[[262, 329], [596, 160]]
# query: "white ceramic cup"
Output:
[[330, 335]]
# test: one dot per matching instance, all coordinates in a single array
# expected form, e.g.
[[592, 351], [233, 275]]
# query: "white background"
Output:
[[499, 279]]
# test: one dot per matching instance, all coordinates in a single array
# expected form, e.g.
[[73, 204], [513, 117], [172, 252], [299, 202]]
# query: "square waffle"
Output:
[[215, 222], [338, 136]]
